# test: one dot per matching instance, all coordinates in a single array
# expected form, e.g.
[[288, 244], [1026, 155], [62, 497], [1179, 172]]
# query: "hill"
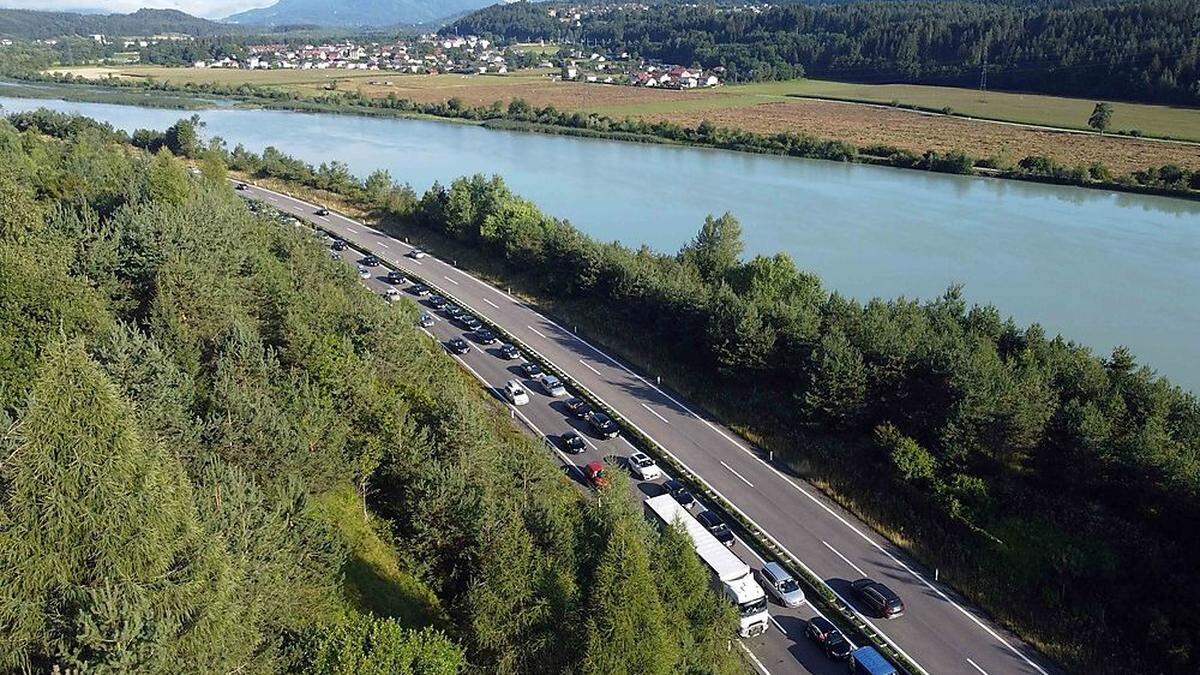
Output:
[[356, 13], [32, 24]]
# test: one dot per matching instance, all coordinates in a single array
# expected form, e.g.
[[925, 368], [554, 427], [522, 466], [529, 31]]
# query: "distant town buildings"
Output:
[[426, 54]]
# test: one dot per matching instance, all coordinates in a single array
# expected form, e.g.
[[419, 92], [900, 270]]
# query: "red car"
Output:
[[595, 474]]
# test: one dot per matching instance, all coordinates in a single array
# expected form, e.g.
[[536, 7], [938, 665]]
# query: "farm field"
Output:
[[798, 105]]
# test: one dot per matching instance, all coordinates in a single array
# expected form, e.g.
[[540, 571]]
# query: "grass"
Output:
[[1056, 111], [377, 580]]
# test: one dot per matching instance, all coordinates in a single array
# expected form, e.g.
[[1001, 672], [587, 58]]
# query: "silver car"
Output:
[[780, 585]]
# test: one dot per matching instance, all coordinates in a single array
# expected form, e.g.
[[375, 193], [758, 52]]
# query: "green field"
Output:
[[1055, 111]]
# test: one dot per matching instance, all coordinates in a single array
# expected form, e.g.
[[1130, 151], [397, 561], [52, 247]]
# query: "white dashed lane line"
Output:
[[858, 569], [538, 332], [491, 303], [585, 365], [731, 470], [651, 411]]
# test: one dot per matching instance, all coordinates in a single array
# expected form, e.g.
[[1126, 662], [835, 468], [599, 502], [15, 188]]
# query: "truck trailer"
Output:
[[729, 573]]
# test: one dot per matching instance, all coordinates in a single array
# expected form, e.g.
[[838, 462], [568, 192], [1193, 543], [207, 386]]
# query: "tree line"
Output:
[[182, 380], [1140, 50], [1046, 481]]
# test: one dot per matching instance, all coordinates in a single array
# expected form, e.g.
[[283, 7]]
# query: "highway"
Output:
[[939, 631]]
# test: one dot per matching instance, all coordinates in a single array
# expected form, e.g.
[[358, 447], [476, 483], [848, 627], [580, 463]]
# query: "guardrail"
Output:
[[817, 590]]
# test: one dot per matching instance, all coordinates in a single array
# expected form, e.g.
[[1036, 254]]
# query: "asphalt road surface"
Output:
[[939, 631]]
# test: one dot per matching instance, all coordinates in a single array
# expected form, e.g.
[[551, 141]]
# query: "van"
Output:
[[868, 661]]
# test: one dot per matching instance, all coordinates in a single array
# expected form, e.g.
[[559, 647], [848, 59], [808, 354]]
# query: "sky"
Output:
[[209, 9]]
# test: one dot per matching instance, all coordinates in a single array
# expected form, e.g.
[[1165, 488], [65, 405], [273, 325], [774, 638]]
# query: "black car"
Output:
[[436, 301], [338, 245], [370, 261], [485, 336], [420, 290], [714, 525], [602, 424], [458, 346], [578, 407], [395, 278], [509, 352], [241, 186], [882, 601], [531, 369], [680, 492], [826, 635], [322, 211], [470, 323], [572, 442], [452, 311]]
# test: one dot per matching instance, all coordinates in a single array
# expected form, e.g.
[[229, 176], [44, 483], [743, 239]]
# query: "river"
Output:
[[1101, 268]]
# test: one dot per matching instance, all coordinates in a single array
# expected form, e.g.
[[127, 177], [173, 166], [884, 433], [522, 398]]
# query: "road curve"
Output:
[[939, 631]]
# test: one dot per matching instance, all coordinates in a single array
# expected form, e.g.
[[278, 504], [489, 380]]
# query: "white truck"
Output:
[[729, 572]]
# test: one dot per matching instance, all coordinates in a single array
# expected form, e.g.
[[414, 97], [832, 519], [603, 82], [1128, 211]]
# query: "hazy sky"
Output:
[[207, 8]]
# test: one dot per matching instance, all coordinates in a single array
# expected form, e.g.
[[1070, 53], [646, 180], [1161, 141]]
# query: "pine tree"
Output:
[[103, 563]]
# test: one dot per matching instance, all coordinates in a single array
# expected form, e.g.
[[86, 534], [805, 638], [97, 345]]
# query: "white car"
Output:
[[552, 385], [392, 294], [364, 272], [515, 393], [643, 467], [426, 320], [416, 254]]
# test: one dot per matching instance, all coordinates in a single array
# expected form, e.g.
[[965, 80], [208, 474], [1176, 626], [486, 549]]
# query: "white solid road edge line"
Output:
[[758, 664]]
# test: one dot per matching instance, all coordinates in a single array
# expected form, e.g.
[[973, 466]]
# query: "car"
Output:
[[395, 278], [241, 186], [881, 600], [643, 467], [416, 254], [515, 393], [485, 336], [712, 522], [364, 272], [459, 346], [370, 261], [420, 290], [602, 425], [322, 211], [595, 474], [334, 255], [436, 301], [452, 311], [572, 442], [827, 636], [531, 369], [392, 294], [337, 245], [469, 322], [552, 385], [781, 585], [578, 407], [509, 352], [426, 320], [680, 492]]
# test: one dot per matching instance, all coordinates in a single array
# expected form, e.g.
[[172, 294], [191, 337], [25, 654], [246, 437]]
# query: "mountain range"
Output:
[[356, 13], [32, 24]]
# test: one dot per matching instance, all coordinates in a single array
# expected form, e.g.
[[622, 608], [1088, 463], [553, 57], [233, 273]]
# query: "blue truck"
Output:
[[868, 661]]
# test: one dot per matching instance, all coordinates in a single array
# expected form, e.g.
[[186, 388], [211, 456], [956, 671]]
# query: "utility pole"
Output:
[[983, 64]]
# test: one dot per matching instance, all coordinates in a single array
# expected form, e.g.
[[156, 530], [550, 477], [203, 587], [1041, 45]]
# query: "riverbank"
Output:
[[1168, 179]]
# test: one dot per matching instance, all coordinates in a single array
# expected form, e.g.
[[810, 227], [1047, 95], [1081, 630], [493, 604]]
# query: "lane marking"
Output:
[[538, 332], [847, 560], [491, 303], [382, 244], [349, 229], [780, 628], [757, 663], [731, 470], [976, 667], [585, 365], [449, 279], [651, 410]]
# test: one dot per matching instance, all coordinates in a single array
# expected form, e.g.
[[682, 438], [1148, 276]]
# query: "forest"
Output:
[[1055, 487], [1136, 50], [188, 388]]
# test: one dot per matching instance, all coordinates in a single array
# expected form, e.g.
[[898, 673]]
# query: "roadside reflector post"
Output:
[[935, 574]]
